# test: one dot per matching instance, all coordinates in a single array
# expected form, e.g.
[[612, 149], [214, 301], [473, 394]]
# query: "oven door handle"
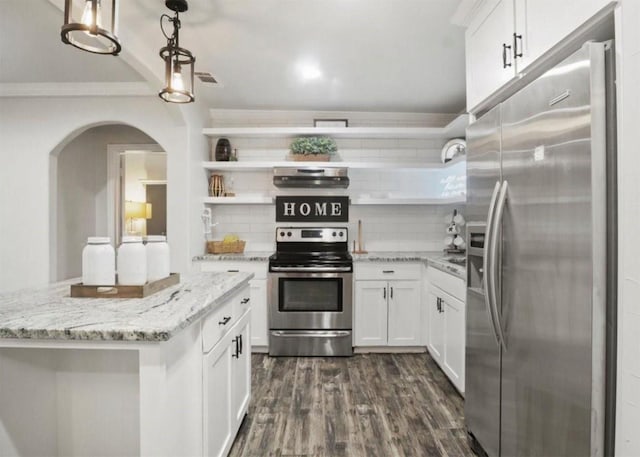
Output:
[[312, 269]]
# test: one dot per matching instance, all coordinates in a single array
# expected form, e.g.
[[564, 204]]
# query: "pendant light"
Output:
[[93, 33], [178, 62]]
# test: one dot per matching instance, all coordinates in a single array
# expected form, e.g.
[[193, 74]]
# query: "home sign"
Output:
[[312, 209]]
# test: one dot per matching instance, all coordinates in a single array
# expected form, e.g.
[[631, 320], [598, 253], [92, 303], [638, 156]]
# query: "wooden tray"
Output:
[[81, 291]]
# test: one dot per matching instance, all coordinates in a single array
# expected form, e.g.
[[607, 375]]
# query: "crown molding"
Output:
[[120, 89], [465, 12]]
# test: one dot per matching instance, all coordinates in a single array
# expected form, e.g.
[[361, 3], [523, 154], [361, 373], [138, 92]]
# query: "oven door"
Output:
[[310, 300]]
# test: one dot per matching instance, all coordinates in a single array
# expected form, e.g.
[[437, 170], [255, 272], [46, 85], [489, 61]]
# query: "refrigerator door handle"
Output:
[[486, 262], [493, 289]]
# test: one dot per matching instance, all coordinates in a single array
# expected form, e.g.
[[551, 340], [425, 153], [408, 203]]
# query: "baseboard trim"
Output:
[[389, 349]]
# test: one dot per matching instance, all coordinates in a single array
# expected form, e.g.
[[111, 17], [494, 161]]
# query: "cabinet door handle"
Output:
[[391, 292], [504, 55], [225, 320], [441, 305], [438, 304], [517, 37], [384, 293], [233, 271], [388, 271], [245, 300], [240, 336], [236, 340]]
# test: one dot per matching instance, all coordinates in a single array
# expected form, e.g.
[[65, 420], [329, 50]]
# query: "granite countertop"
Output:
[[255, 256], [437, 259], [50, 313], [396, 256]]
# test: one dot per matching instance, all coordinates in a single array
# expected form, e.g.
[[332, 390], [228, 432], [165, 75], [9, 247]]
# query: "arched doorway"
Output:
[[83, 188]]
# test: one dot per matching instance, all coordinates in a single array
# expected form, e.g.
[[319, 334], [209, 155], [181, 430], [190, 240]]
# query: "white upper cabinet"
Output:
[[544, 23], [505, 36], [489, 41]]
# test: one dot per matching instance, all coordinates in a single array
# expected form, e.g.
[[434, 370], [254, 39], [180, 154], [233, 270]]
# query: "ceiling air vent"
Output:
[[206, 77]]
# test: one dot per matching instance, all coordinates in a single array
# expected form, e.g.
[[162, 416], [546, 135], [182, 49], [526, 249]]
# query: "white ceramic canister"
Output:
[[132, 262], [98, 262], [157, 257]]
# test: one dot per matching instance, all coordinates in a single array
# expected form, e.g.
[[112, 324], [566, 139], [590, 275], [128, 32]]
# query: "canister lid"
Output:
[[98, 240], [156, 238], [132, 239]]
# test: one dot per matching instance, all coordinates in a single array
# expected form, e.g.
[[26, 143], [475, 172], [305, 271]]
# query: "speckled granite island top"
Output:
[[50, 313], [255, 256]]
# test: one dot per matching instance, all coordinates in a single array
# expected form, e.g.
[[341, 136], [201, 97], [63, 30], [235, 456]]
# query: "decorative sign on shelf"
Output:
[[312, 209]]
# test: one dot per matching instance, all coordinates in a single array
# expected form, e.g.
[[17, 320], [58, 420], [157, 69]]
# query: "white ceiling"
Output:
[[368, 55]]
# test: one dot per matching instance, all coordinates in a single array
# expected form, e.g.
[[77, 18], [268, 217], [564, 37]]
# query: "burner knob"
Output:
[[281, 233], [341, 233], [334, 233], [288, 233]]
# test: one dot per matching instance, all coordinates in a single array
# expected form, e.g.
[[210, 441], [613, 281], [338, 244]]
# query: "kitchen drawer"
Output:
[[217, 324], [259, 269], [387, 271], [241, 304], [449, 283]]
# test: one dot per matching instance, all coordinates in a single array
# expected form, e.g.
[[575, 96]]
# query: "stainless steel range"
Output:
[[310, 293]]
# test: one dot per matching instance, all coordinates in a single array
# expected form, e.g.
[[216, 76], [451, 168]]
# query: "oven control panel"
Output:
[[311, 234]]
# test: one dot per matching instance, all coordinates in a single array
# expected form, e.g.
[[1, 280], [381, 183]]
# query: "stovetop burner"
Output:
[[312, 247]]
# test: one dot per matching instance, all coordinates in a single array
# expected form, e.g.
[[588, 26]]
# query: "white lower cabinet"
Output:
[[447, 320], [404, 313], [259, 325], [387, 313], [435, 336], [217, 401], [258, 288], [370, 326], [241, 374], [226, 388]]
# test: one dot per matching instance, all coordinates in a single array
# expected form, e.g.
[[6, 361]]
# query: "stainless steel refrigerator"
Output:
[[541, 264]]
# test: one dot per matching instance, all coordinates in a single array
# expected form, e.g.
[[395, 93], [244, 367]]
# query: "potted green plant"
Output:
[[313, 148]]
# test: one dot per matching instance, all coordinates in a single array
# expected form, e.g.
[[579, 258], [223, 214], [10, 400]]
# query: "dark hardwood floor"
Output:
[[373, 405]]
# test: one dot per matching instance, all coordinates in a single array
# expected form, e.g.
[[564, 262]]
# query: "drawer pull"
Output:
[[245, 300], [388, 271], [391, 290], [225, 320], [233, 271]]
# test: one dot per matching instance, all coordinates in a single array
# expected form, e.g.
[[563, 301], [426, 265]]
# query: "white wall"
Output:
[[628, 392], [81, 192], [31, 128]]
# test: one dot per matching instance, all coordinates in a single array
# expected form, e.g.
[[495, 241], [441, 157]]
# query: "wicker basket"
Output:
[[218, 247]]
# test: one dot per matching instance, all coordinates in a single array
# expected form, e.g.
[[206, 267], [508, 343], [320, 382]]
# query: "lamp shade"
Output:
[[178, 75], [135, 210], [91, 25]]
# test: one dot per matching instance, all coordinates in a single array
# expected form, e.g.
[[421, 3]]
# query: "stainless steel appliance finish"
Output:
[[311, 177], [321, 343], [310, 300], [537, 291], [310, 287]]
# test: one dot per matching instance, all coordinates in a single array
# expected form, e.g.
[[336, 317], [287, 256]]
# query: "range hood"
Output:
[[311, 177]]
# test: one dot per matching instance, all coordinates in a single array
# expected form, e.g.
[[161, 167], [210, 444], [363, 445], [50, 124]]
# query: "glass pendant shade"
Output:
[[91, 26], [179, 75]]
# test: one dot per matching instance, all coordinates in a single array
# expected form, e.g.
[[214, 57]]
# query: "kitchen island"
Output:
[[108, 376]]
